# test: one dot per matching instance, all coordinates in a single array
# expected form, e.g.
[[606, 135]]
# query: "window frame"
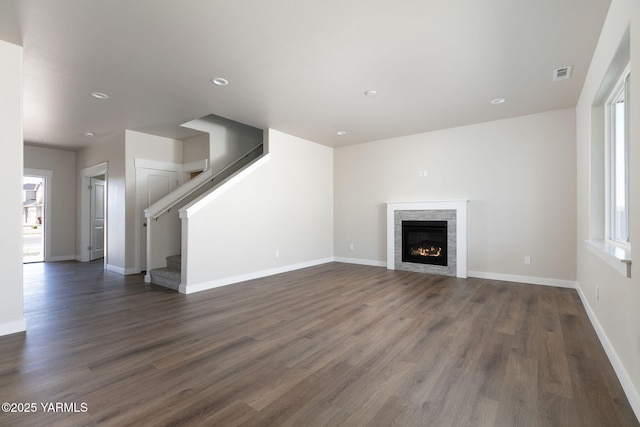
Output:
[[621, 90]]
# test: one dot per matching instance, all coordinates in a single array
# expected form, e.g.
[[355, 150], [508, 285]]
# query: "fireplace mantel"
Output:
[[460, 207]]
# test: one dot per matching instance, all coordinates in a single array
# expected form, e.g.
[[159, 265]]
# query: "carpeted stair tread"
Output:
[[174, 261], [167, 277]]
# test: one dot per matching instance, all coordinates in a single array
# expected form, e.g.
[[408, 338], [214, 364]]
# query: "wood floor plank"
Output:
[[519, 400], [330, 345]]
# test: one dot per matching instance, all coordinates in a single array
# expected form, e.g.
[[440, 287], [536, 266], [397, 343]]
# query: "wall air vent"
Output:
[[562, 73]]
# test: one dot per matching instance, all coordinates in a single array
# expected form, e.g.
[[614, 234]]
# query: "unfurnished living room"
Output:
[[306, 213]]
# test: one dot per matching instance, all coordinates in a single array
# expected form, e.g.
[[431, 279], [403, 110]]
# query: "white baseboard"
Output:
[[62, 258], [370, 262], [197, 287], [625, 380], [78, 258], [532, 280], [480, 274], [121, 270], [115, 269], [9, 328]]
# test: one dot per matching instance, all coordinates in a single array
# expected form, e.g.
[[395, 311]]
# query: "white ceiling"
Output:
[[299, 66]]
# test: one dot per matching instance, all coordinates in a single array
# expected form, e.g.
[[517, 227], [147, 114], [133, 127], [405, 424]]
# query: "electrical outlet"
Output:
[[527, 260], [277, 253], [597, 294], [351, 246]]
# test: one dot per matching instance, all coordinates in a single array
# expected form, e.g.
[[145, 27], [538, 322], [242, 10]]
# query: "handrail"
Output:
[[244, 156], [165, 204]]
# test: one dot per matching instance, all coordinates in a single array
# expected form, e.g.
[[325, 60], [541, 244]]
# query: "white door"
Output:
[[96, 218], [151, 186]]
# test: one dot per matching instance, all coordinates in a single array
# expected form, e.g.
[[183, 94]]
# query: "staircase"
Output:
[[167, 219], [170, 276]]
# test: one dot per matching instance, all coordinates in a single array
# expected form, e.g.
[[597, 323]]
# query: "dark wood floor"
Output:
[[331, 345]]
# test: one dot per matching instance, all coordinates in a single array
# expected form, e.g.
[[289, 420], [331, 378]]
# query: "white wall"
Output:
[[62, 200], [518, 175], [228, 139], [151, 147], [195, 149], [111, 150], [11, 311], [119, 151], [285, 206], [616, 314]]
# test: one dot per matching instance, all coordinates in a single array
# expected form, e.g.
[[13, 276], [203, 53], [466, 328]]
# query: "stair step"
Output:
[[174, 262], [167, 277]]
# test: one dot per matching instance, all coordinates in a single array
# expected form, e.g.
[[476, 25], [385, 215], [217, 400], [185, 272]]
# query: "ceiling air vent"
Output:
[[562, 73]]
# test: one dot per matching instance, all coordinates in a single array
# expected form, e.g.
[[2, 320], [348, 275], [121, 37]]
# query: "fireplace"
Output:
[[424, 242], [439, 243]]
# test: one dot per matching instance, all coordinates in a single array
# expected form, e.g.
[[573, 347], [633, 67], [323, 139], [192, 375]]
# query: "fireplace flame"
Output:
[[430, 251]]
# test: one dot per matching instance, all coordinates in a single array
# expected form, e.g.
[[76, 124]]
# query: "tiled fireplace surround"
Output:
[[454, 212]]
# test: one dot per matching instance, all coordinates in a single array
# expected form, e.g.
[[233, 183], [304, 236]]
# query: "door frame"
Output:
[[93, 182], [140, 165], [85, 197], [47, 175]]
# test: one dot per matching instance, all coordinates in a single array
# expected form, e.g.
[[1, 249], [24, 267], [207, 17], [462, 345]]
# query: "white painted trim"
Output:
[[193, 207], [184, 244], [461, 208], [198, 165], [530, 280], [625, 380], [87, 173], [120, 270], [48, 176], [62, 258], [9, 328], [156, 164], [617, 257], [96, 170], [38, 172], [369, 262], [115, 269], [197, 287]]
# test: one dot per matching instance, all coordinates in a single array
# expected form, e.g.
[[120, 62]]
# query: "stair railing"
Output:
[[172, 199]]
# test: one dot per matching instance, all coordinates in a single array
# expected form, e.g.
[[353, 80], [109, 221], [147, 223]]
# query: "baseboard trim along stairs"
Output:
[[170, 276]]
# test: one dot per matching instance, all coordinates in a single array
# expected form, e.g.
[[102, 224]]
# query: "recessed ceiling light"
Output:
[[220, 81], [99, 95], [371, 93], [40, 138], [498, 101], [89, 134], [342, 132]]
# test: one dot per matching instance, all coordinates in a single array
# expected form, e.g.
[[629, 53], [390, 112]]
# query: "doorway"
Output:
[[33, 218], [97, 198], [94, 214], [36, 215]]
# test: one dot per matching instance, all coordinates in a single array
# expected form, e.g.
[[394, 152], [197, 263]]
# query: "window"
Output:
[[617, 168], [609, 190]]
